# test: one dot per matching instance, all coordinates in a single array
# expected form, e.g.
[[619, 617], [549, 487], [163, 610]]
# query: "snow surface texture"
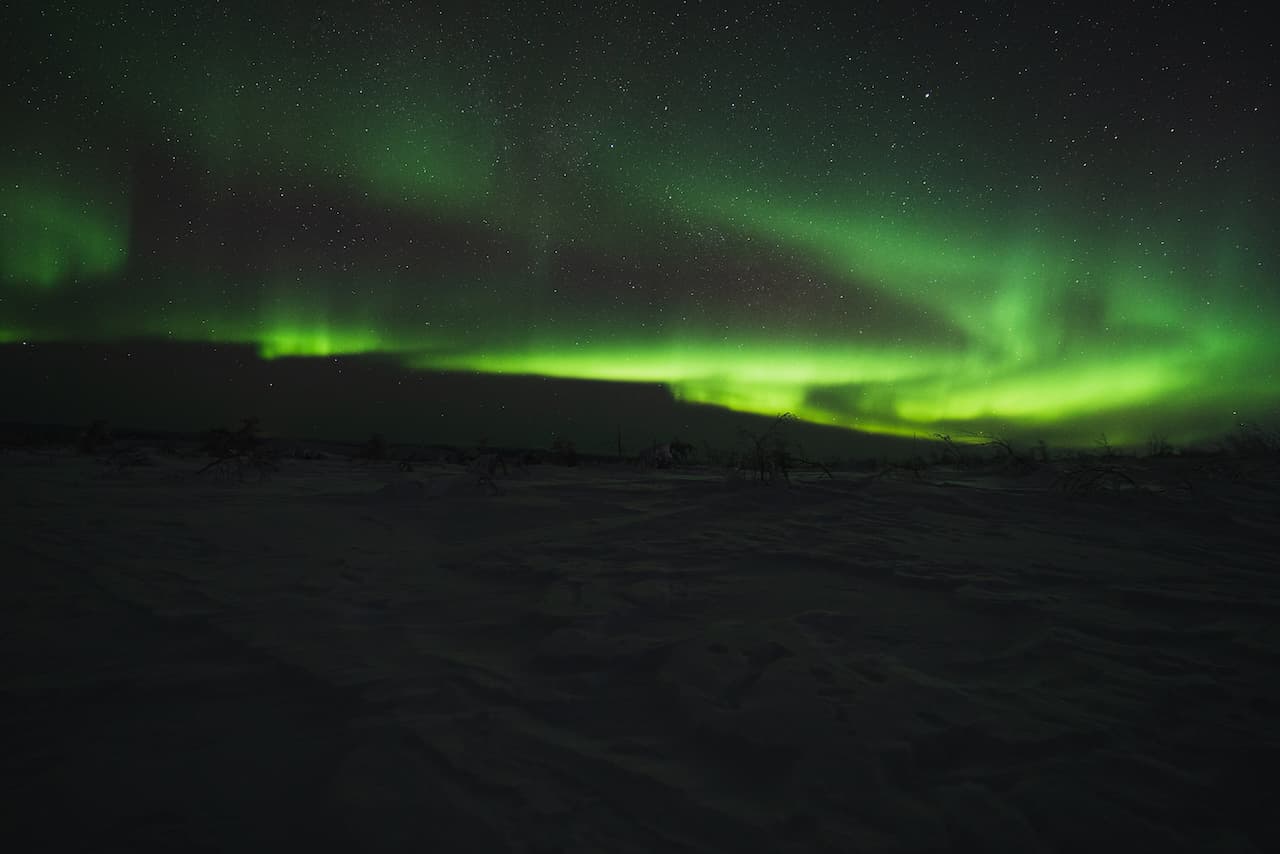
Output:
[[341, 656]]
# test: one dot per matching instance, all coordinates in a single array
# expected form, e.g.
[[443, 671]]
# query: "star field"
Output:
[[1033, 222]]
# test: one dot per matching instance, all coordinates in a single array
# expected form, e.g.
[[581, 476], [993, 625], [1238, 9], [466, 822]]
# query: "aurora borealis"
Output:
[[1030, 222]]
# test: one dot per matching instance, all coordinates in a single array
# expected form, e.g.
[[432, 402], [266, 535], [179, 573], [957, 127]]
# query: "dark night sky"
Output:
[[1007, 217]]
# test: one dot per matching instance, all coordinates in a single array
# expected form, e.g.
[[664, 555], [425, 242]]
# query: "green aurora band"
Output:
[[744, 259], [58, 225]]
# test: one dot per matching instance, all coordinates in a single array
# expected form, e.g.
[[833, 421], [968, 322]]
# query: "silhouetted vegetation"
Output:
[[767, 452], [1103, 444], [1006, 455], [220, 442], [658, 455], [1158, 446], [1094, 478], [950, 453], [681, 452], [238, 451], [1253, 440]]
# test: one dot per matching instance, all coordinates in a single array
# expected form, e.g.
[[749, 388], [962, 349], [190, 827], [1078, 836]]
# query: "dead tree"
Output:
[[237, 452], [768, 452]]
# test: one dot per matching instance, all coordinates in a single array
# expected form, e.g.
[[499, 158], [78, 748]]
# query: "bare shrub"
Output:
[[485, 468], [1007, 455], [657, 456], [914, 467], [1103, 445], [768, 453], [1253, 440], [950, 453], [237, 453], [681, 452], [1158, 446], [1094, 477]]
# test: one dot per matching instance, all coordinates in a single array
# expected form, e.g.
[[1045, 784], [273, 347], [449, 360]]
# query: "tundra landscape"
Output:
[[341, 650], [620, 427]]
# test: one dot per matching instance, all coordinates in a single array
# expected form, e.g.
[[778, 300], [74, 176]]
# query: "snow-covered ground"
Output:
[[343, 656]]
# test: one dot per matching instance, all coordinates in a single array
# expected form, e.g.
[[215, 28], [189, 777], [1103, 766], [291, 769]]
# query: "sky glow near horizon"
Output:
[[1041, 226]]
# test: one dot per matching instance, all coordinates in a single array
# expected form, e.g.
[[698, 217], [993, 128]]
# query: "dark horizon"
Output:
[[349, 399], [188, 389]]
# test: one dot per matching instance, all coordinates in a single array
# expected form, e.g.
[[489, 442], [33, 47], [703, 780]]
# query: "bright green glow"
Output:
[[1044, 395], [53, 228], [276, 343], [281, 341], [732, 241], [908, 392], [292, 317], [764, 364]]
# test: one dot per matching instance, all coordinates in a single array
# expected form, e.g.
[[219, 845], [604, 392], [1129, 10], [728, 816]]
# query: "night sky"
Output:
[[913, 219]]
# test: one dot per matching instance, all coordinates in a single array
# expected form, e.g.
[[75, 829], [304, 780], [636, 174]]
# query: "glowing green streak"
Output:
[[293, 318], [1046, 394], [277, 341], [769, 364], [1064, 320], [1060, 332]]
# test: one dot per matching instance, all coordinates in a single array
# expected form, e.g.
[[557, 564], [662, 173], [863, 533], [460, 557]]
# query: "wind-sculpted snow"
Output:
[[351, 657]]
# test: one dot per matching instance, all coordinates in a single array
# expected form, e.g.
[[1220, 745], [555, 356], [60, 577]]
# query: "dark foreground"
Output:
[[345, 657]]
